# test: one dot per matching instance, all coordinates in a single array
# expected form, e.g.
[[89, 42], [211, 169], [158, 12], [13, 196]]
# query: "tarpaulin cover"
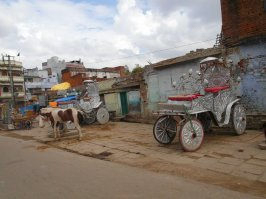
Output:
[[65, 99], [32, 107], [62, 86]]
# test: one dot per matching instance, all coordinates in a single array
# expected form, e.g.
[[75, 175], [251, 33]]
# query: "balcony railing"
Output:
[[8, 95], [15, 79], [12, 68], [12, 63], [39, 84]]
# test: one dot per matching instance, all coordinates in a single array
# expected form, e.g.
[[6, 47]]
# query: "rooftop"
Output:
[[199, 53]]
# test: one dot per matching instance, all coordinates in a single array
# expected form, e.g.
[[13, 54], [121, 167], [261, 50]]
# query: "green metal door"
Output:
[[123, 99]]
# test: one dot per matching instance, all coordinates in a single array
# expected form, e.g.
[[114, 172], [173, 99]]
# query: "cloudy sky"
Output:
[[106, 33]]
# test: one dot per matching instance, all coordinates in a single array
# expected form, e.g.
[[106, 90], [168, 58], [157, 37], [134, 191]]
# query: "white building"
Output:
[[39, 80], [55, 66]]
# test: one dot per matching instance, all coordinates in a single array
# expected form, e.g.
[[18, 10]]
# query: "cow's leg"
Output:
[[55, 130], [64, 127], [58, 130], [76, 122]]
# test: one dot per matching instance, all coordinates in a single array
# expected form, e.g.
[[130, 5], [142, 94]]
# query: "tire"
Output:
[[28, 124], [191, 135], [164, 129], [102, 115], [239, 120], [89, 120]]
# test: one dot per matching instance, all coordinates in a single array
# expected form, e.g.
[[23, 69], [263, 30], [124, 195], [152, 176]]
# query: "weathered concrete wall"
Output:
[[252, 60], [160, 82], [112, 102]]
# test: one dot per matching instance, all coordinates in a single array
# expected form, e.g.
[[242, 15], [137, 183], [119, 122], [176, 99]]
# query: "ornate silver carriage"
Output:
[[90, 104], [211, 95]]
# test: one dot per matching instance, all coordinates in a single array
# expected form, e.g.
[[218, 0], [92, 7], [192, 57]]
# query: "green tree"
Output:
[[137, 69]]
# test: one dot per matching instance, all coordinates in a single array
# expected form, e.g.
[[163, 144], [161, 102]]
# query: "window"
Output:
[[5, 89]]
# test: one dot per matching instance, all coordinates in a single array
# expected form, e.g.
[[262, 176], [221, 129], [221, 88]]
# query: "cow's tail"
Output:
[[80, 116]]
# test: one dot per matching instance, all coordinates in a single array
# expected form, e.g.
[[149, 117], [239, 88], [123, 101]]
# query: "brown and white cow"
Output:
[[58, 115]]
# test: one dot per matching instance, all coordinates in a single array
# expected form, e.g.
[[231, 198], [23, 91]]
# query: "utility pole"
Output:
[[11, 82]]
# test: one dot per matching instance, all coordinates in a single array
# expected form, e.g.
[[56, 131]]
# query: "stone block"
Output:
[[231, 161], [205, 162], [252, 169], [262, 178], [257, 162], [221, 167], [183, 160], [244, 174]]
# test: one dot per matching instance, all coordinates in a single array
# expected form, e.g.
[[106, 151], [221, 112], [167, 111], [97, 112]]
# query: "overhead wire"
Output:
[[151, 52]]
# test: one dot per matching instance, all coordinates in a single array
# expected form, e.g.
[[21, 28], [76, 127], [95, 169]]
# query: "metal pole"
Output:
[[11, 82]]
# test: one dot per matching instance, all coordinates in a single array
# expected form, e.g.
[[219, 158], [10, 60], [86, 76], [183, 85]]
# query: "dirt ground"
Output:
[[233, 162]]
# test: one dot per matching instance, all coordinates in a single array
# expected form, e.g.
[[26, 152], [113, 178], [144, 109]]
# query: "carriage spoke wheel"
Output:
[[191, 135], [164, 129], [102, 115], [239, 119], [28, 124], [89, 118]]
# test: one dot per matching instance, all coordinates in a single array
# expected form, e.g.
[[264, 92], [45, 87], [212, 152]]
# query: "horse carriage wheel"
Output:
[[239, 119], [191, 135], [28, 124], [89, 120], [164, 129], [102, 115]]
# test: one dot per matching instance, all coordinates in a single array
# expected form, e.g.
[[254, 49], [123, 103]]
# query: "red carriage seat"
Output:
[[216, 89], [184, 97]]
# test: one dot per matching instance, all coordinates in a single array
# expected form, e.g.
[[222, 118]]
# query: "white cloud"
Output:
[[98, 33]]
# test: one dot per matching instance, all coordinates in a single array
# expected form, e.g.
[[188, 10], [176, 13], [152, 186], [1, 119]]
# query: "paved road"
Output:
[[31, 170]]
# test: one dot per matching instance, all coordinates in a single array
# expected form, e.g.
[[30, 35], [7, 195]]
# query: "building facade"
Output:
[[11, 71], [37, 81], [125, 96], [244, 39], [76, 75], [55, 66], [122, 70]]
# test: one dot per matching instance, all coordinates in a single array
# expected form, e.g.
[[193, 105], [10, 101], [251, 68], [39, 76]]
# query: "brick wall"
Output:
[[243, 20], [255, 121], [74, 81]]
